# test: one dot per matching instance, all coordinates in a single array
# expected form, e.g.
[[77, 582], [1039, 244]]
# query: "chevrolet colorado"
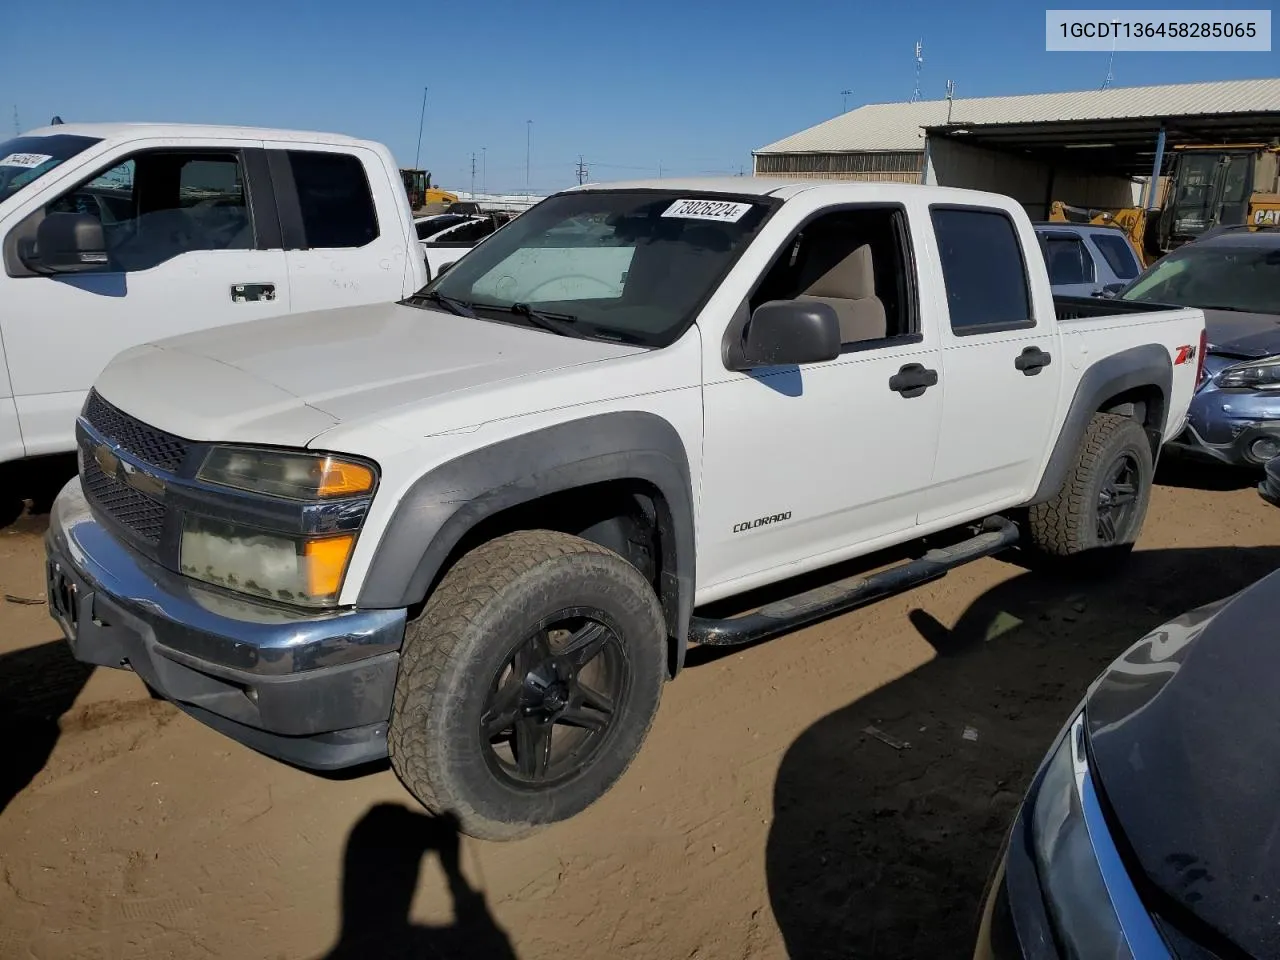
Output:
[[477, 530]]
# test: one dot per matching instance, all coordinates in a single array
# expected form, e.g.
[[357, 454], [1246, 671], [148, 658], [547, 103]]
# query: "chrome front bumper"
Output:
[[311, 689]]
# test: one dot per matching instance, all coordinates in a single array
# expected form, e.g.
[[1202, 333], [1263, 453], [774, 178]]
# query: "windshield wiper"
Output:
[[455, 306], [560, 323]]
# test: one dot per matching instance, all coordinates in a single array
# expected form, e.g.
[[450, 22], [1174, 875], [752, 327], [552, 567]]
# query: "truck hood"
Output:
[[1248, 336], [1183, 731], [289, 378]]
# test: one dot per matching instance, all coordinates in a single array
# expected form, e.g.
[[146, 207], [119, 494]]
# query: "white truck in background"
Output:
[[117, 234], [477, 530]]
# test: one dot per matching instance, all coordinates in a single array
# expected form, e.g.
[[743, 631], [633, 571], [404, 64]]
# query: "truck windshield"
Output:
[[23, 159], [1214, 277], [629, 265]]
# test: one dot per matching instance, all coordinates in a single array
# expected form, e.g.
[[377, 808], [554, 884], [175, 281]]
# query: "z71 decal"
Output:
[[752, 524], [1186, 353]]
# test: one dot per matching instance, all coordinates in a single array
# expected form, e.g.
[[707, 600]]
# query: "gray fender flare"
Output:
[[445, 503], [1147, 366]]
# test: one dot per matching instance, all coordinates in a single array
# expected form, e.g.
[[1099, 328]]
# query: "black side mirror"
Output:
[[1110, 291], [445, 268], [67, 243], [791, 332]]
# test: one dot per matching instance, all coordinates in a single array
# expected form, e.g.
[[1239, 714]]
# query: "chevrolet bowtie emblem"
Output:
[[107, 460]]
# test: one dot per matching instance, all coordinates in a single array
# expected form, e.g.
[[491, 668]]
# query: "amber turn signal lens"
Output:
[[326, 562], [340, 478]]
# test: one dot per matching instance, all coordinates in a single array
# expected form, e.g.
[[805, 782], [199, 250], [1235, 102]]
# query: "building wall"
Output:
[[1030, 182]]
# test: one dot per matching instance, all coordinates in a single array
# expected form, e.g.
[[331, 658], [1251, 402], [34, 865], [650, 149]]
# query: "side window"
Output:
[[337, 205], [156, 206], [855, 260], [983, 269], [1068, 259], [1118, 254]]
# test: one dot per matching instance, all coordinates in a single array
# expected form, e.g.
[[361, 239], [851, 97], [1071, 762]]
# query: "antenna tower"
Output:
[[919, 63], [951, 96], [582, 170]]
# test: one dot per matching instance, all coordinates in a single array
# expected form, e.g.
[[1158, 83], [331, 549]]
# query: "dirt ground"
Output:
[[761, 820]]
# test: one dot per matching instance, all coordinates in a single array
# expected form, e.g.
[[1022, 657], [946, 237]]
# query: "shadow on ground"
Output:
[[33, 484], [383, 862], [882, 851], [37, 686], [1181, 470]]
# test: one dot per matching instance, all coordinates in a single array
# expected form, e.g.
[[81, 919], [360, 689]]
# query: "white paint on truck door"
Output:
[[807, 465], [348, 234], [1001, 399], [180, 239]]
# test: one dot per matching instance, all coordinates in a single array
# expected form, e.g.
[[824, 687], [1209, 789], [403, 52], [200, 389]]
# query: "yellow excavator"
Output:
[[423, 197], [1217, 185]]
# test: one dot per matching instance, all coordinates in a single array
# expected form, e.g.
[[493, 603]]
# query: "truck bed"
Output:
[[1080, 308]]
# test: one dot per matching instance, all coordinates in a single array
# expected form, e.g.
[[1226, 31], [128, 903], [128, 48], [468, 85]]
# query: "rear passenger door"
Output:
[[344, 241], [1001, 362]]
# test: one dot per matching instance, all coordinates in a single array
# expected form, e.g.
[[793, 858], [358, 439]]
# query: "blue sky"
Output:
[[691, 86]]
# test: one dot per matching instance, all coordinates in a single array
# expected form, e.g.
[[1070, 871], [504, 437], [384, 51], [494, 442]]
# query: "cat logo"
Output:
[[1266, 218]]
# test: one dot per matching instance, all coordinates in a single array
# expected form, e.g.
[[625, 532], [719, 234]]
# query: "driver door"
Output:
[[190, 246]]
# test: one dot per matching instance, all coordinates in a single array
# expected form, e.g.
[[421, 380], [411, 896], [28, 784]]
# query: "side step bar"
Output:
[[783, 616]]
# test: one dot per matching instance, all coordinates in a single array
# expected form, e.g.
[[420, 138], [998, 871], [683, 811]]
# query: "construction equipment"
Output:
[[1208, 186], [422, 195]]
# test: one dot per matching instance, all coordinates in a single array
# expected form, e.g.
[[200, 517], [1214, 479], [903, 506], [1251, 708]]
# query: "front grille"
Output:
[[126, 506], [148, 444]]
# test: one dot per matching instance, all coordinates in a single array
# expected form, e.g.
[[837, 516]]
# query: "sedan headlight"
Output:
[[1255, 375], [306, 571], [286, 473]]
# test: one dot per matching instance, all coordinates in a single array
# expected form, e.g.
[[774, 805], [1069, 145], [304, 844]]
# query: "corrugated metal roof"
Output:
[[897, 126]]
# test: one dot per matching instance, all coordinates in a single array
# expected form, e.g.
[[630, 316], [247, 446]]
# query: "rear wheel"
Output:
[[528, 683], [1101, 507]]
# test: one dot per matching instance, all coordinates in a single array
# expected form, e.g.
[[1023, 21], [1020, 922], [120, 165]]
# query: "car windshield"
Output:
[[625, 265], [1214, 276], [23, 159]]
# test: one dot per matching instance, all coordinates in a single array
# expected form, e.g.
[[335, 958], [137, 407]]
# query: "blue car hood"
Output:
[[1248, 336]]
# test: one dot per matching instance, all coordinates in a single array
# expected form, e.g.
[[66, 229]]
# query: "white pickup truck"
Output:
[[117, 234], [477, 530]]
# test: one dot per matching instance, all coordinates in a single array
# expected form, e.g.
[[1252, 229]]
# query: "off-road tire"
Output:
[[477, 615], [1066, 527]]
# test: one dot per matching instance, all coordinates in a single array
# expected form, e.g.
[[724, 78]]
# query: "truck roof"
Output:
[[874, 191], [106, 131]]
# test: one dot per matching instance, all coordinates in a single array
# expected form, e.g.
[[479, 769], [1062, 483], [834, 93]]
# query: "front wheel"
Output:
[[1101, 507], [528, 683]]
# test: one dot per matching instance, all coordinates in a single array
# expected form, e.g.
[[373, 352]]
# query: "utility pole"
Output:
[[484, 169], [528, 141], [473, 174], [417, 157], [659, 169], [844, 100], [17, 127], [582, 171]]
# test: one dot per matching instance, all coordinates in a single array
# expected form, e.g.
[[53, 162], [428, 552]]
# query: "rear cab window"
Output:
[[335, 199], [1067, 258], [983, 269]]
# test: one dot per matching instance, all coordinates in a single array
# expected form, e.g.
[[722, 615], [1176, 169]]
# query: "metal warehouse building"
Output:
[[1094, 148]]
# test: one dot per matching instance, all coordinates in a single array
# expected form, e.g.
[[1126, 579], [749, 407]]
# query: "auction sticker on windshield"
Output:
[[28, 161], [723, 210]]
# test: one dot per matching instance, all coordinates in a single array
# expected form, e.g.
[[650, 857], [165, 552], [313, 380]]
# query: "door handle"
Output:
[[1031, 360], [912, 380], [252, 292]]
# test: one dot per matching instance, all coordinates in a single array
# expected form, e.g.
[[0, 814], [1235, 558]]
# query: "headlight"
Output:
[[264, 564], [1256, 375], [1074, 888], [284, 473]]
